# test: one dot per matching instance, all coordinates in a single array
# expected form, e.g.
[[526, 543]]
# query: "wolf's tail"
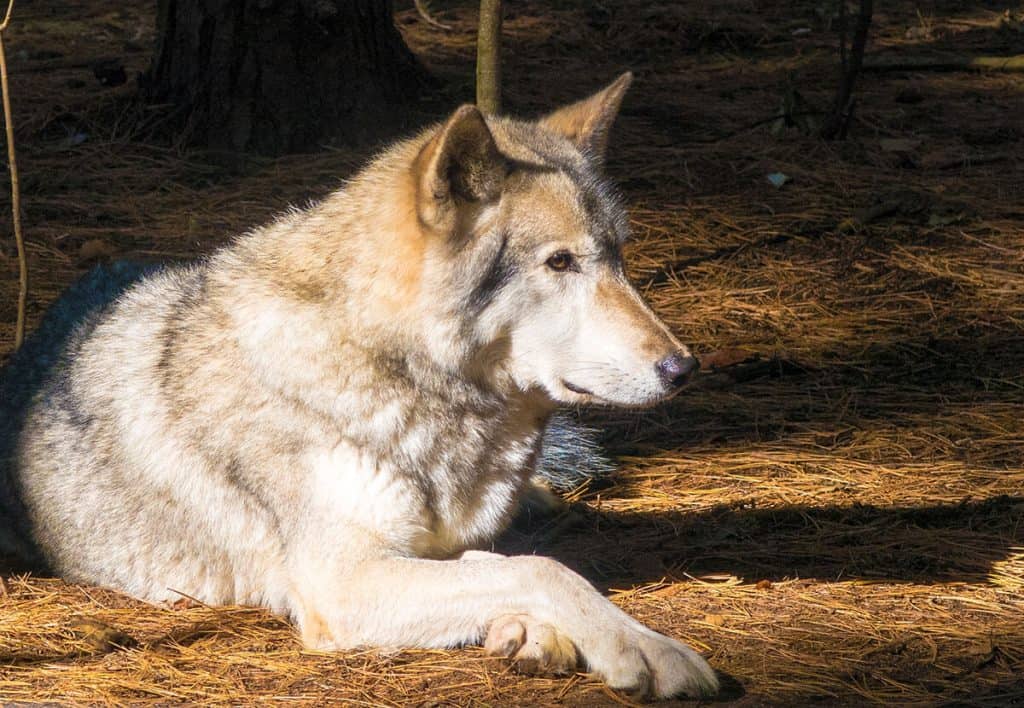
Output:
[[571, 454]]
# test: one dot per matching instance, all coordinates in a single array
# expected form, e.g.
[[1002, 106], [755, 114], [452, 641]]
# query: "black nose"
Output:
[[676, 368]]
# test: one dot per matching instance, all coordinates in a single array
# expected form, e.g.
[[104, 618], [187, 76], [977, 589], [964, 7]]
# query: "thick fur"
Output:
[[326, 416]]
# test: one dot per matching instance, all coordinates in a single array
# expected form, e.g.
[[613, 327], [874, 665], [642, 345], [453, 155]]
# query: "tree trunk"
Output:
[[276, 76], [488, 58]]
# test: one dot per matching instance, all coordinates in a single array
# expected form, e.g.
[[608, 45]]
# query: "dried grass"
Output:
[[836, 520]]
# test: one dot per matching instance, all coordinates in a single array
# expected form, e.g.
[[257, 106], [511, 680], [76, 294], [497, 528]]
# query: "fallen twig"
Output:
[[944, 63], [666, 272]]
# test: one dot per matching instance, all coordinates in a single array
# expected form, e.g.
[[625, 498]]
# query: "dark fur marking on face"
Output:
[[594, 205], [602, 210], [497, 275], [598, 200]]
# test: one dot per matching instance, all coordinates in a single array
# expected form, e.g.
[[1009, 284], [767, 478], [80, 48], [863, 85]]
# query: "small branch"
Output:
[[424, 11], [19, 331], [667, 272], [838, 120], [966, 161], [842, 37], [751, 126], [488, 58], [814, 231]]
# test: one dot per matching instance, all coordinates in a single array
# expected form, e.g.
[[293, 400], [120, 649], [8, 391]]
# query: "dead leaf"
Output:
[[715, 620], [95, 249], [899, 144], [946, 218], [722, 358], [101, 636], [184, 603]]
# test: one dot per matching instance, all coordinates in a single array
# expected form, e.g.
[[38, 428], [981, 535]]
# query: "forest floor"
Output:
[[832, 513]]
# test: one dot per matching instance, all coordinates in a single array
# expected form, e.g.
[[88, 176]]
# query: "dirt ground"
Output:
[[832, 513]]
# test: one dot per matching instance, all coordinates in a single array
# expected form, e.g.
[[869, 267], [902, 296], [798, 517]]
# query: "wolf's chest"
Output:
[[436, 490]]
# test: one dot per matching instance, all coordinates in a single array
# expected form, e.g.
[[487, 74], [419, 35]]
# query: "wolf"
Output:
[[336, 414]]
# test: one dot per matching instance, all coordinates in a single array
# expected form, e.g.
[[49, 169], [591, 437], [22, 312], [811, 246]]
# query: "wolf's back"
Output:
[[66, 324]]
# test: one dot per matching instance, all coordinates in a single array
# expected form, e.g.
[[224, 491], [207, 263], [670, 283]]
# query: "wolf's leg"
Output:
[[425, 603], [534, 647]]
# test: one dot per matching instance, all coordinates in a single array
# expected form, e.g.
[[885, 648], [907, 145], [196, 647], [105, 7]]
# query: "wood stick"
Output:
[[837, 122], [944, 63], [488, 58], [12, 161]]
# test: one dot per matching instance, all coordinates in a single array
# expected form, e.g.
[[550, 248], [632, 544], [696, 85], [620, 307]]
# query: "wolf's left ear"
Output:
[[460, 166], [588, 122]]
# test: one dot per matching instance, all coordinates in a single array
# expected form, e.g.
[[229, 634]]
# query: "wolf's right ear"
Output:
[[587, 123], [460, 166]]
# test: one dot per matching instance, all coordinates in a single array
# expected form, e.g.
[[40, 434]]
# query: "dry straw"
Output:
[[834, 512]]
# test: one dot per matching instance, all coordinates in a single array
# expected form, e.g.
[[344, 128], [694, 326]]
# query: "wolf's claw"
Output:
[[534, 647]]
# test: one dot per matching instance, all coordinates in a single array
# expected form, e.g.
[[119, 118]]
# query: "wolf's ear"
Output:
[[588, 122], [461, 165]]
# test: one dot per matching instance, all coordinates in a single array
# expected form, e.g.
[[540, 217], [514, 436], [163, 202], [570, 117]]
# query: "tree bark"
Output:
[[276, 76]]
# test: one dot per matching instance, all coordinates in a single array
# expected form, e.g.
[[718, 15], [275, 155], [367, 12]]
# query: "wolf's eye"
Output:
[[561, 261]]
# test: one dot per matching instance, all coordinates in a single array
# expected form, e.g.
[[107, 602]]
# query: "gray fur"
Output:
[[571, 454]]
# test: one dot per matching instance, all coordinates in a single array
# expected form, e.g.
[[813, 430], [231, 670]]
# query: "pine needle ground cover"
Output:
[[832, 512]]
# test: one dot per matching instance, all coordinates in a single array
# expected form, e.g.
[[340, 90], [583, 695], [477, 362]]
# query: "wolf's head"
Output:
[[512, 252], [530, 233]]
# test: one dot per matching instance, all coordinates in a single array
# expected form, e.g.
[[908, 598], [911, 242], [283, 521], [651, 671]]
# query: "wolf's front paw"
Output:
[[534, 647], [650, 665]]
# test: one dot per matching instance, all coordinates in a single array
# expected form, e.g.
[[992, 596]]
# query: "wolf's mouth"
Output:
[[576, 389]]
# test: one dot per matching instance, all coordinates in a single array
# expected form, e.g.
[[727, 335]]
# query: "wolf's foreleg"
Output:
[[530, 607]]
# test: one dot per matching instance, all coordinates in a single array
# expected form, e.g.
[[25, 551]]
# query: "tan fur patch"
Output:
[[547, 205], [624, 312], [587, 123], [425, 205], [313, 628], [405, 262]]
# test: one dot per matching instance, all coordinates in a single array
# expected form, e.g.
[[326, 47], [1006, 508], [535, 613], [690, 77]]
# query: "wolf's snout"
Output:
[[675, 369]]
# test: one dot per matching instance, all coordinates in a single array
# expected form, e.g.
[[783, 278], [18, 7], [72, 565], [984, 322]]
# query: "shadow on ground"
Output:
[[927, 544]]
